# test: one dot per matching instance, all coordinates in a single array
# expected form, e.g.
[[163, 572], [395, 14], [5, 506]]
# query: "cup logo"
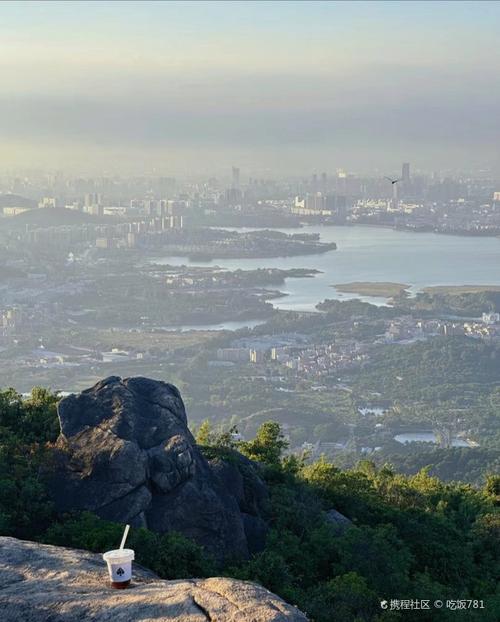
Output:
[[120, 572]]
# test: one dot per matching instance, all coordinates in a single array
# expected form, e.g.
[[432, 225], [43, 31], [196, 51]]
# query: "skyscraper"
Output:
[[405, 172], [314, 183], [323, 183], [235, 184]]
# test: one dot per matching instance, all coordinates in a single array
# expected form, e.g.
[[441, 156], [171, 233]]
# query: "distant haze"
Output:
[[273, 87]]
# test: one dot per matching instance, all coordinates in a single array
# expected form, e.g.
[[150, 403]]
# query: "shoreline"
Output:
[[399, 229], [377, 289]]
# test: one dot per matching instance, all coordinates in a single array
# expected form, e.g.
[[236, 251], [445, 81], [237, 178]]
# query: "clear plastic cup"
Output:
[[119, 567]]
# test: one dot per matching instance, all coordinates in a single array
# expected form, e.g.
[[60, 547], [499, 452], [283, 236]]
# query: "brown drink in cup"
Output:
[[119, 567]]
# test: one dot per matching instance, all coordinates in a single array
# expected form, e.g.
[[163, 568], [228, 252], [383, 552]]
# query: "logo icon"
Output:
[[120, 571]]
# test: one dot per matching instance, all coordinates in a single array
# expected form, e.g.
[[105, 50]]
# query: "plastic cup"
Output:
[[119, 567]]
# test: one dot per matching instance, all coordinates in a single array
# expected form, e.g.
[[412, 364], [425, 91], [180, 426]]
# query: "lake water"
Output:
[[426, 437], [222, 326], [375, 254]]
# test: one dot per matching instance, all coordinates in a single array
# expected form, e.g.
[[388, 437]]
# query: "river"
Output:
[[374, 254]]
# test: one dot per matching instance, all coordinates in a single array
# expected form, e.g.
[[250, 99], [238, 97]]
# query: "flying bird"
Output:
[[393, 181]]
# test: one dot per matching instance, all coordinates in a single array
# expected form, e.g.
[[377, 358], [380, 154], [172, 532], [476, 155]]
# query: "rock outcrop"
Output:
[[125, 452], [41, 583], [338, 521]]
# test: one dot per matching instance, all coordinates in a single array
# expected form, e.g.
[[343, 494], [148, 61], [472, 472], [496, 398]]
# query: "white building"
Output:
[[491, 318]]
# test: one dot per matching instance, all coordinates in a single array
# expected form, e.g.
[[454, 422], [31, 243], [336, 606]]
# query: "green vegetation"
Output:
[[383, 289], [461, 289], [170, 555], [267, 446], [466, 301], [409, 536], [446, 382], [449, 464], [448, 385], [337, 310], [25, 427], [454, 368]]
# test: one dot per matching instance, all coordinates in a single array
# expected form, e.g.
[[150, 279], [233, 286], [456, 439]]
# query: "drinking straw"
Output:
[[125, 534]]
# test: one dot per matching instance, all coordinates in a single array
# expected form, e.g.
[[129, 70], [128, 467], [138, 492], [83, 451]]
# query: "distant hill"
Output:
[[52, 216], [15, 200]]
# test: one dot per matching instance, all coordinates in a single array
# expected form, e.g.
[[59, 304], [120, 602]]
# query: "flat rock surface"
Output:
[[42, 583]]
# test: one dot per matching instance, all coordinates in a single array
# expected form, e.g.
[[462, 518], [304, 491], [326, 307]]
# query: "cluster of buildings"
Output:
[[133, 234], [447, 203], [20, 320], [320, 360], [407, 329], [111, 235], [11, 321], [95, 204], [306, 360], [294, 354], [71, 356]]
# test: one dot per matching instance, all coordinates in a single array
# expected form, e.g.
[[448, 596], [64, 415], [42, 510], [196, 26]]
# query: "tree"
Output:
[[204, 434], [267, 446], [492, 488], [377, 553], [171, 555], [346, 597]]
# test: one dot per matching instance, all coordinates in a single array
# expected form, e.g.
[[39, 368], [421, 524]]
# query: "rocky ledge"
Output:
[[42, 583]]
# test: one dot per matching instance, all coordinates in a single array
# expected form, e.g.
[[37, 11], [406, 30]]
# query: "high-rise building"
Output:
[[395, 197], [314, 183], [48, 202], [93, 204], [405, 172], [324, 183], [235, 184]]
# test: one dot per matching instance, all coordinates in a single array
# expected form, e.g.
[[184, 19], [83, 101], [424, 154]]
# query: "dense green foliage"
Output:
[[445, 384], [466, 304], [25, 427], [450, 464], [410, 536], [267, 446], [170, 555], [455, 368]]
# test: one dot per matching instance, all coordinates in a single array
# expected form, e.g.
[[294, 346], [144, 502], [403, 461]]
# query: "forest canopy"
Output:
[[405, 537]]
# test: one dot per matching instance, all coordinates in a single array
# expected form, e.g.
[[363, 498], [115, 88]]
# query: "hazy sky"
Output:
[[274, 87]]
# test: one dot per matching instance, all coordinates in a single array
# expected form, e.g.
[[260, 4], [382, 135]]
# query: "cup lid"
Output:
[[116, 554]]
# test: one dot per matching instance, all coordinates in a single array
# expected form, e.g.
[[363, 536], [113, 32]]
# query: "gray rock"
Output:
[[125, 452], [338, 521], [41, 583], [239, 477]]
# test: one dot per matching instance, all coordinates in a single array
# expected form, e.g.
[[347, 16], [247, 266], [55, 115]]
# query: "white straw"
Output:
[[125, 534]]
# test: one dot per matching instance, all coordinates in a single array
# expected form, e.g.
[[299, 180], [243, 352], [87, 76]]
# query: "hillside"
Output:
[[51, 217], [15, 200], [335, 542]]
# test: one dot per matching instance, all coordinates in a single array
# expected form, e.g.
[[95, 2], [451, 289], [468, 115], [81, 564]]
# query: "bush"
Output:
[[171, 555]]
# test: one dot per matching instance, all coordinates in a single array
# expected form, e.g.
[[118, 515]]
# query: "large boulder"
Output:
[[41, 583], [125, 452]]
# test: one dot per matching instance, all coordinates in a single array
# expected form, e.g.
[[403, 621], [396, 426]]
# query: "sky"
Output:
[[276, 88]]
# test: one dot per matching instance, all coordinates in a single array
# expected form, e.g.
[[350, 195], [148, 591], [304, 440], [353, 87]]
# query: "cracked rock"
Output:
[[42, 583]]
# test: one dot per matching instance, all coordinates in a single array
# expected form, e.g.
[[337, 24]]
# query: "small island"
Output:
[[206, 244], [380, 289]]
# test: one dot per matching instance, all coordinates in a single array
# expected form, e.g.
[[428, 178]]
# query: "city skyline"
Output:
[[270, 87]]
